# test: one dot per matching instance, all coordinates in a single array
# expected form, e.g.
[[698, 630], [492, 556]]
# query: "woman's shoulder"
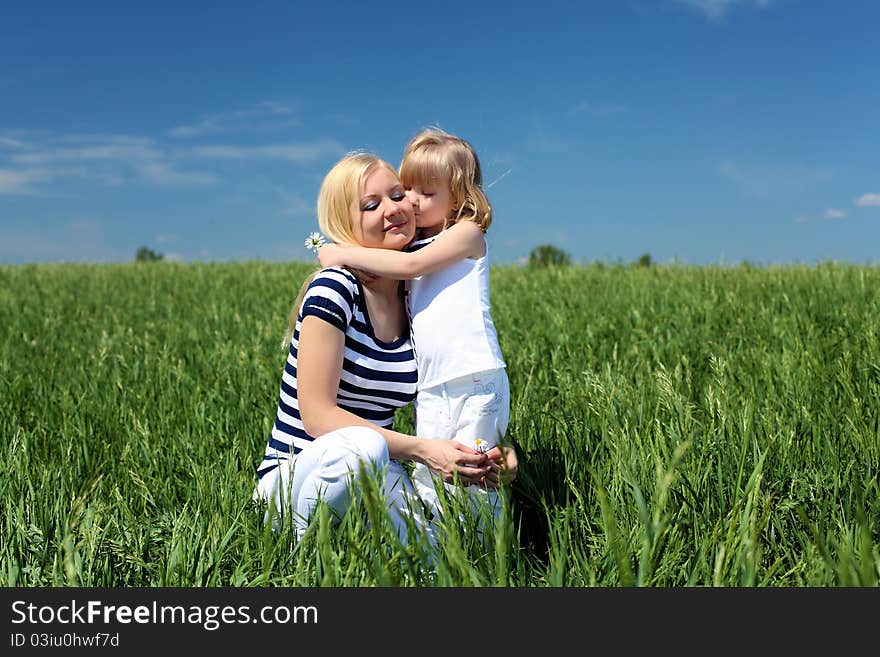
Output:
[[334, 280], [337, 274]]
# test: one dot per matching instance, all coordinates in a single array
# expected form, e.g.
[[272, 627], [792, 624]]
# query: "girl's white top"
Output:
[[451, 323]]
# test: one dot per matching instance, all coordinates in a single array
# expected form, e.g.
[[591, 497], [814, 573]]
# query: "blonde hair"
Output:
[[340, 189], [435, 155]]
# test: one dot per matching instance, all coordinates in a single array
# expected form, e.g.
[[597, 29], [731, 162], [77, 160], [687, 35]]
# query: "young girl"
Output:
[[463, 389]]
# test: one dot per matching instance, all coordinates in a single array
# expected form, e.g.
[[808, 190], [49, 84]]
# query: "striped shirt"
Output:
[[377, 377]]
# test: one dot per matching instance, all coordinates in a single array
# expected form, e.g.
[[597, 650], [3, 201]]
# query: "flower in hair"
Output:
[[315, 241]]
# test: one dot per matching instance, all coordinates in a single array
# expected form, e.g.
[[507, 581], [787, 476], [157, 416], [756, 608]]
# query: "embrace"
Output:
[[398, 314]]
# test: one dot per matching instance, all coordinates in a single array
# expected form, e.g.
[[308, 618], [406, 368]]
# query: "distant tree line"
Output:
[[146, 254], [547, 255]]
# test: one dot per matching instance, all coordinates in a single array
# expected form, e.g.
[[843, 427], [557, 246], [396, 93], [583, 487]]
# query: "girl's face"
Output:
[[433, 205], [383, 215]]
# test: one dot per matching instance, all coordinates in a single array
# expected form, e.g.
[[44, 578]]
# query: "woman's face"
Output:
[[383, 215]]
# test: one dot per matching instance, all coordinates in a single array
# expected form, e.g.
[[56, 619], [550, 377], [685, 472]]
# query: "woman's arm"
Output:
[[463, 240], [318, 371]]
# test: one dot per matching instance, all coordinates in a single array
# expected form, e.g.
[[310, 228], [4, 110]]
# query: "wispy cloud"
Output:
[[267, 114], [593, 109], [833, 213], [540, 141], [715, 10], [165, 175], [868, 199], [9, 142], [104, 137], [109, 160], [115, 160], [83, 237], [114, 149], [295, 205], [291, 152], [766, 182], [23, 182]]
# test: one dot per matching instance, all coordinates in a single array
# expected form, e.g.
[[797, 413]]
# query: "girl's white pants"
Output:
[[327, 469], [472, 407]]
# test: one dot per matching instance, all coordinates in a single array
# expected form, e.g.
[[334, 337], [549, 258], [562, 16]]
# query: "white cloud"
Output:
[[105, 138], [540, 141], [774, 181], [84, 238], [714, 10], [9, 142], [21, 183], [300, 153], [296, 206], [111, 160], [113, 149], [586, 107], [165, 175], [266, 114], [832, 213], [801, 219], [208, 124], [868, 199]]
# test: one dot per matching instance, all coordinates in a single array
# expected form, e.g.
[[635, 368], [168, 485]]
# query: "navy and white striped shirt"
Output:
[[377, 377]]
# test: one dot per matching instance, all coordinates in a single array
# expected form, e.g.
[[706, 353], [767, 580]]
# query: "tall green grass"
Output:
[[676, 426]]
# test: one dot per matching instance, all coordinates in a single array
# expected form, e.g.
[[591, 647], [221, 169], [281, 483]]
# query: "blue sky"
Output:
[[699, 131]]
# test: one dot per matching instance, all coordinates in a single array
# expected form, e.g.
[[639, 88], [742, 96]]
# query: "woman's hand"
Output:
[[453, 461], [503, 466]]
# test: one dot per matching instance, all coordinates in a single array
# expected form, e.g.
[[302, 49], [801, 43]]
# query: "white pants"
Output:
[[327, 469], [472, 407]]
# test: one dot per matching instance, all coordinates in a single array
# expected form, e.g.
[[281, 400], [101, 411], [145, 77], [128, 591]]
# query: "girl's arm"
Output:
[[463, 240], [319, 369], [504, 466]]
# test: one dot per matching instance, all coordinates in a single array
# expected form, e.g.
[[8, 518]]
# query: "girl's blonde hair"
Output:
[[434, 156], [341, 188]]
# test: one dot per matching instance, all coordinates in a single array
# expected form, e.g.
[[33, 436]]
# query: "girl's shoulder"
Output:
[[471, 237]]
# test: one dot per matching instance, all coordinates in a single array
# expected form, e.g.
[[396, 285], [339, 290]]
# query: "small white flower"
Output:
[[315, 241], [481, 445]]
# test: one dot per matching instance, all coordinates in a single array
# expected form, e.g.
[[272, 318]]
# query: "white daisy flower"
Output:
[[481, 445], [315, 241]]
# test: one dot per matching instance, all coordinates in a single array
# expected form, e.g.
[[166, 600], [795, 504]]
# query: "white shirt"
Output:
[[451, 322]]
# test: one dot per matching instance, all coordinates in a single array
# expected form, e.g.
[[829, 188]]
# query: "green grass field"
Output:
[[677, 426]]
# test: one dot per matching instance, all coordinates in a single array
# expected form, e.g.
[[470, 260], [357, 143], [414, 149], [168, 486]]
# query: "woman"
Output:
[[351, 365]]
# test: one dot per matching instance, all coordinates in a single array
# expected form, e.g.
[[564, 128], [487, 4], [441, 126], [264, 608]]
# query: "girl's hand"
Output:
[[330, 255], [503, 466], [453, 461]]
